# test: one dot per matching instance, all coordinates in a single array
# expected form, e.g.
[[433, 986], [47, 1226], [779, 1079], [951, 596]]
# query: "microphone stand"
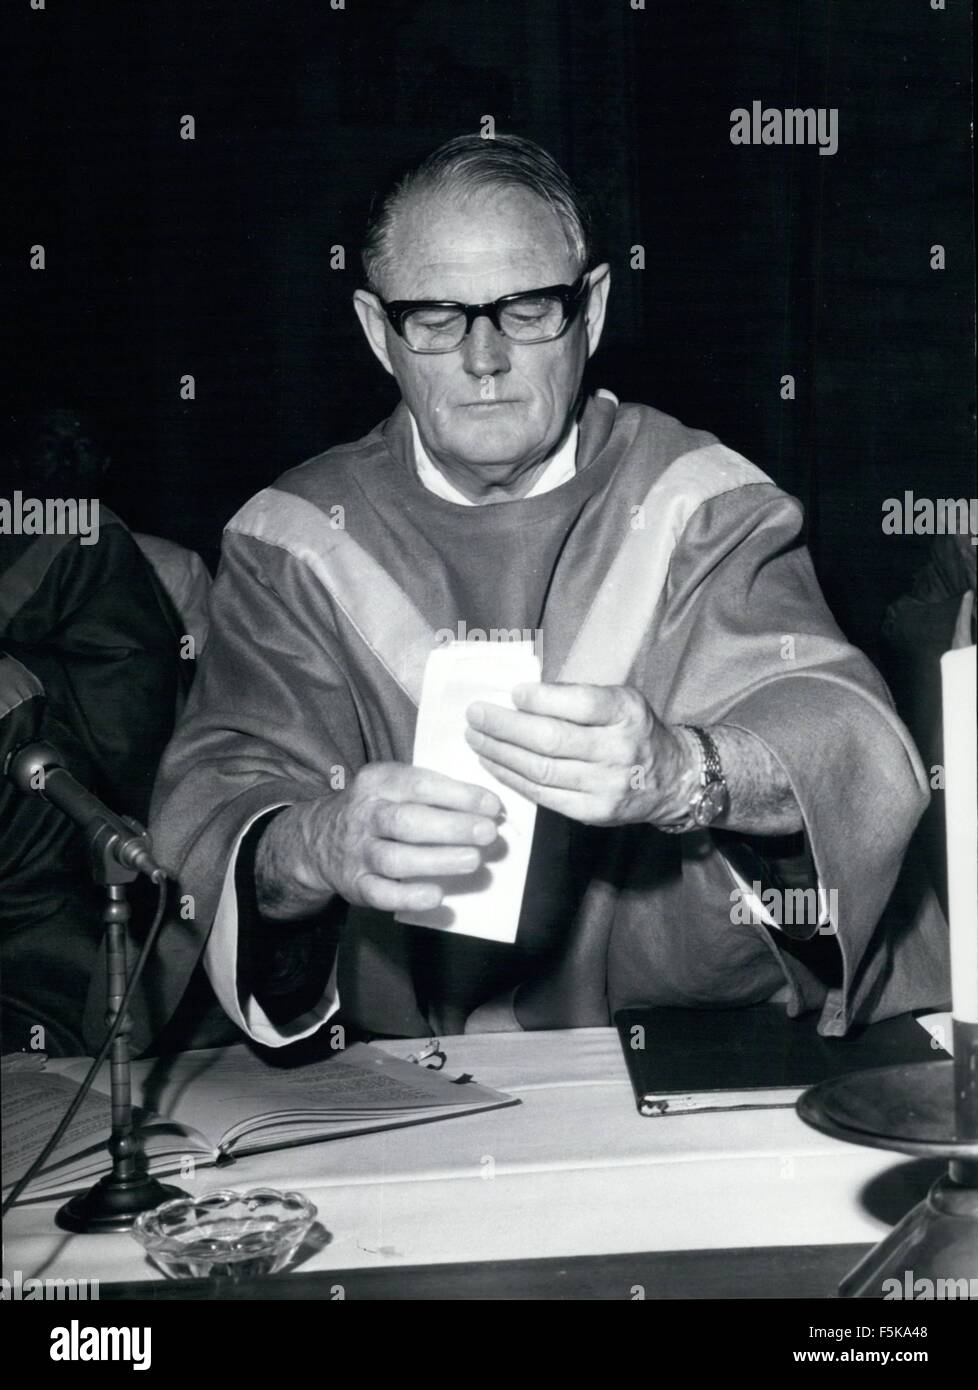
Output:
[[114, 1202]]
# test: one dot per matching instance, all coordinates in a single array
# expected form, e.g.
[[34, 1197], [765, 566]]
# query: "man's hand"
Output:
[[378, 844], [596, 754], [600, 755]]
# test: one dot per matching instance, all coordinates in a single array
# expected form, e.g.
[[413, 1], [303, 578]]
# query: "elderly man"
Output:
[[702, 729]]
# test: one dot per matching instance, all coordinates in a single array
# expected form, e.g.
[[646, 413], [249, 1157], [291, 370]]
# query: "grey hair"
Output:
[[468, 163]]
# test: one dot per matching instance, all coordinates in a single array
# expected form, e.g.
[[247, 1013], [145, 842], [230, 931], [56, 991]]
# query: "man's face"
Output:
[[492, 409]]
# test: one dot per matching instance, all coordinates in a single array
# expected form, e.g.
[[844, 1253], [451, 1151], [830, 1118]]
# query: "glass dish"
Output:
[[236, 1234]]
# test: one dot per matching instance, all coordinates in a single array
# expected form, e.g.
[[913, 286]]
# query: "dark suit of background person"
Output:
[[97, 673]]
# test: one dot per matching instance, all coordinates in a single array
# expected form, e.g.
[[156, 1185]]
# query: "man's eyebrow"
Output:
[[454, 299]]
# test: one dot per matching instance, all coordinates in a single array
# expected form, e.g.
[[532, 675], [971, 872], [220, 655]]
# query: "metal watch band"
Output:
[[711, 770]]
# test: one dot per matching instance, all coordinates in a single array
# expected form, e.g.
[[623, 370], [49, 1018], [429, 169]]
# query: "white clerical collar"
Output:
[[560, 469]]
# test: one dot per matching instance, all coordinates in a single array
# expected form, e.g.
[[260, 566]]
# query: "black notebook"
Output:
[[683, 1060]]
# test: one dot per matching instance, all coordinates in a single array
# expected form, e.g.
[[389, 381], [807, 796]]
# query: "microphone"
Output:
[[37, 769]]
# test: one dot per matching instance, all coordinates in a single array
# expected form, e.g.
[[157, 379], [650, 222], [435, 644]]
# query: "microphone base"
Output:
[[113, 1204]]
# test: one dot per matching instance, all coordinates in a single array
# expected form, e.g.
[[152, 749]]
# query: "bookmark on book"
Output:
[[485, 903]]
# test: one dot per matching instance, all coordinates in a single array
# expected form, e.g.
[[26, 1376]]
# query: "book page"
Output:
[[34, 1103], [227, 1093], [227, 1089]]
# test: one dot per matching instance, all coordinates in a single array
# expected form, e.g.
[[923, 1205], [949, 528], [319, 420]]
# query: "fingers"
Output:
[[553, 738], [412, 824], [394, 860], [400, 782], [574, 804], [568, 773], [580, 704], [389, 896]]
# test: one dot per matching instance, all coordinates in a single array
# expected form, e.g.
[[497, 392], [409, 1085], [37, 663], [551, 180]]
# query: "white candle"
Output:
[[961, 809]]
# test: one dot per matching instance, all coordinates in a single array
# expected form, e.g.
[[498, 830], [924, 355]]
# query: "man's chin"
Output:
[[493, 462], [480, 445]]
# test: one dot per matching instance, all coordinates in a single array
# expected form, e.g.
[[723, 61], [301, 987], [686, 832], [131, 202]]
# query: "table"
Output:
[[804, 1272], [572, 1173]]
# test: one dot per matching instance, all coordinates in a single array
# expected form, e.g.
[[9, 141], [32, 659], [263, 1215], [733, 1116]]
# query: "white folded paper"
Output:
[[487, 902]]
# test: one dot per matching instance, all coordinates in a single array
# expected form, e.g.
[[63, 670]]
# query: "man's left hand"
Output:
[[596, 754]]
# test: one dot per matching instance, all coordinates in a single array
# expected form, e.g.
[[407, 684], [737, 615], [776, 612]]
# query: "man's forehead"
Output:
[[485, 274], [442, 245]]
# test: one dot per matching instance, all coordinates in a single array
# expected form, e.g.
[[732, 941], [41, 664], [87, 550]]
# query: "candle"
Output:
[[961, 810]]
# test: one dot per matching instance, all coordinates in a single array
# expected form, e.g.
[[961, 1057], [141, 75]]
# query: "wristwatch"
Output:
[[711, 798]]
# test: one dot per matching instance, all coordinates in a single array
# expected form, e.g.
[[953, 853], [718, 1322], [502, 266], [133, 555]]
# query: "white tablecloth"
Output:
[[572, 1170]]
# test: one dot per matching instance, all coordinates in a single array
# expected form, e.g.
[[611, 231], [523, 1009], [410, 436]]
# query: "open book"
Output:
[[249, 1105]]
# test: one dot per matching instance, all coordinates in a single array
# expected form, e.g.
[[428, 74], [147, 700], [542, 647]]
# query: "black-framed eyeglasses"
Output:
[[532, 316]]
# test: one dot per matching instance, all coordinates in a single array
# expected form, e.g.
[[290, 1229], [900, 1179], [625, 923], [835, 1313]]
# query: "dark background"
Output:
[[211, 257]]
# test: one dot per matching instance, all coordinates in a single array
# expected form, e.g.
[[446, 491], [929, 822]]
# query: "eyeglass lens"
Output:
[[528, 319]]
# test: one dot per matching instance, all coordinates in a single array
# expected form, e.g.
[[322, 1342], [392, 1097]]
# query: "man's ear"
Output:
[[597, 304], [373, 321]]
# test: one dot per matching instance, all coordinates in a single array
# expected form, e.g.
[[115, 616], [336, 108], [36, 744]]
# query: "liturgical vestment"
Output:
[[666, 562]]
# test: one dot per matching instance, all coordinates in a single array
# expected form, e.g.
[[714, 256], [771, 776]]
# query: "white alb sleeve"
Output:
[[221, 964]]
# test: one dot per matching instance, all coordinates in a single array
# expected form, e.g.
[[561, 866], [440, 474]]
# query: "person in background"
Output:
[[88, 627], [186, 580]]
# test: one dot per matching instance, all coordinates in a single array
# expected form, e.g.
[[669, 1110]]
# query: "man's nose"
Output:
[[485, 350]]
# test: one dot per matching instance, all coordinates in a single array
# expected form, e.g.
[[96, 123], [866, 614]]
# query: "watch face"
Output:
[[711, 802]]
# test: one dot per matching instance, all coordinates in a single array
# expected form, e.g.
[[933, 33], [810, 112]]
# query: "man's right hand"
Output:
[[380, 843]]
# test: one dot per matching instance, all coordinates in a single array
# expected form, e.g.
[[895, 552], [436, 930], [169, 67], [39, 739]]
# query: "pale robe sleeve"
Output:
[[745, 638], [269, 723]]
